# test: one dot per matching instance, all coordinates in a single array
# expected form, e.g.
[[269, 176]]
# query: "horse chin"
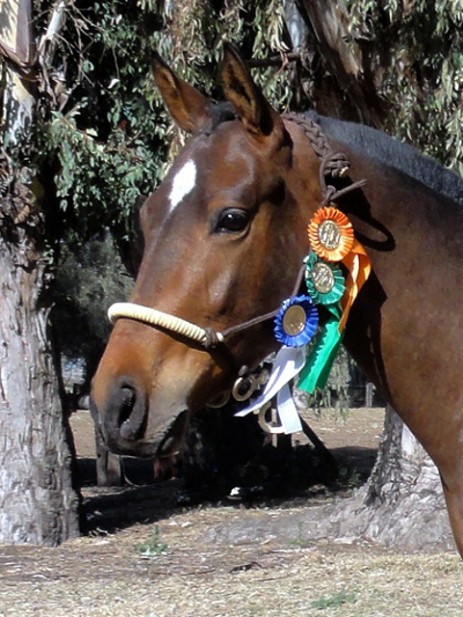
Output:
[[172, 440]]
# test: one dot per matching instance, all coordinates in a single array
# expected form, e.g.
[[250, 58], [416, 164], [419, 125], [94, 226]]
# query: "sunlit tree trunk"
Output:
[[37, 500]]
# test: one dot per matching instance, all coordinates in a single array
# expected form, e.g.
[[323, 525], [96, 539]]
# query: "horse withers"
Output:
[[225, 236]]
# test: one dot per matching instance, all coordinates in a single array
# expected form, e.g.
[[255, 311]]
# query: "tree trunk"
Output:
[[38, 503], [343, 59], [402, 503]]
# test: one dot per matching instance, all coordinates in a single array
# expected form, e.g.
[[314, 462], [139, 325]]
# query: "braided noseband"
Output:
[[333, 164]]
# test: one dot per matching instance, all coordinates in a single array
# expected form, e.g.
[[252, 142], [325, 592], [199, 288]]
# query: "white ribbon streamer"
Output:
[[288, 363], [287, 411]]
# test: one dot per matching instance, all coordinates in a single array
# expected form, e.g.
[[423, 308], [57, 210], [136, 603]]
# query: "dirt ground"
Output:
[[147, 557]]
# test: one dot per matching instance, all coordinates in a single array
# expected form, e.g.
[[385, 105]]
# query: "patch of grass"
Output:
[[337, 599], [154, 547]]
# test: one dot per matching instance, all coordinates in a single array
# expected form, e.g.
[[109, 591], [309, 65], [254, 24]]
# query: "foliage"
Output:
[[88, 280], [107, 140], [109, 137], [104, 140], [97, 184], [415, 53]]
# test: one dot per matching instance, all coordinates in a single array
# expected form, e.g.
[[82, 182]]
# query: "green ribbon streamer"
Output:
[[321, 357]]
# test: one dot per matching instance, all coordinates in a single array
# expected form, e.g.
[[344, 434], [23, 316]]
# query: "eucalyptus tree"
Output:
[[69, 167]]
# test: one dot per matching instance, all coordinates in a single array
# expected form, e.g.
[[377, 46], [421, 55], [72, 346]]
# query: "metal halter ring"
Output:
[[244, 387]]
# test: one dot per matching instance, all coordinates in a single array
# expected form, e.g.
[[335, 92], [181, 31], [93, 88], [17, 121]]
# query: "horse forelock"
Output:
[[220, 112]]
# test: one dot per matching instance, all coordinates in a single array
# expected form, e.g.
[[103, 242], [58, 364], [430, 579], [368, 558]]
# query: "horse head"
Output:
[[225, 235]]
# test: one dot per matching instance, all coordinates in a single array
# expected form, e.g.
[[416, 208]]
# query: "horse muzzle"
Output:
[[127, 427]]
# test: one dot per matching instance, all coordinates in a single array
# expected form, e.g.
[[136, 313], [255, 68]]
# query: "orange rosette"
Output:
[[331, 234]]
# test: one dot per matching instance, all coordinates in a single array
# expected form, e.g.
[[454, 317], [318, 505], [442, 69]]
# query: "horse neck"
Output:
[[406, 326]]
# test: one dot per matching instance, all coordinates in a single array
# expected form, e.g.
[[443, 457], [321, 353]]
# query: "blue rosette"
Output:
[[296, 322], [325, 281]]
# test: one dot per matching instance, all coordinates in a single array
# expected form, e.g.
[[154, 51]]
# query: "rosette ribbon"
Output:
[[331, 235], [296, 322], [320, 358], [325, 283], [358, 265]]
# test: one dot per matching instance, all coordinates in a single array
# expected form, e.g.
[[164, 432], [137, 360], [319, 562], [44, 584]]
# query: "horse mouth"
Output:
[[172, 439], [166, 444]]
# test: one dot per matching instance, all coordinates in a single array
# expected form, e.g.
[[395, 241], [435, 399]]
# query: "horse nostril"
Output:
[[128, 397], [132, 412]]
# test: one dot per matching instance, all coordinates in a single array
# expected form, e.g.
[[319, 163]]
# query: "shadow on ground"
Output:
[[141, 500]]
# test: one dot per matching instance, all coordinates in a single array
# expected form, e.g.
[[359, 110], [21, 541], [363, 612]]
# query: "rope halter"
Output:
[[207, 337]]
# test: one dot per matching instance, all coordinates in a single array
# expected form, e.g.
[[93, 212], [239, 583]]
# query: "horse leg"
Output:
[[454, 501]]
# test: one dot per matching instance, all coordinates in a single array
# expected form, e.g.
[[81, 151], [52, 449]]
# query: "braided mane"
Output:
[[393, 153]]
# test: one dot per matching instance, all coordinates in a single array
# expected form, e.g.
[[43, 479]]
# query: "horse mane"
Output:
[[393, 153]]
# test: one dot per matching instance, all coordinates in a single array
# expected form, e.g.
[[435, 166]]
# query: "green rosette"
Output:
[[322, 353], [325, 281]]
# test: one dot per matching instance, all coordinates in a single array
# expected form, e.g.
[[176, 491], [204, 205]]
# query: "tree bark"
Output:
[[37, 501], [343, 59], [402, 504]]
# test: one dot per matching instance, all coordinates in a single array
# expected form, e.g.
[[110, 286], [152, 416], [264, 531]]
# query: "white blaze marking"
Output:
[[183, 183]]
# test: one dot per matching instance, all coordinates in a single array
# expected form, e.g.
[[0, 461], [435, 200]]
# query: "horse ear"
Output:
[[255, 111], [188, 107]]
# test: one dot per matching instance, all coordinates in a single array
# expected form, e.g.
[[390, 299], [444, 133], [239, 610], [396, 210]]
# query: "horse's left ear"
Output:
[[188, 107], [255, 111]]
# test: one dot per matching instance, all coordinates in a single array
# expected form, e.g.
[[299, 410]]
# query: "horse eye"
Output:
[[232, 220]]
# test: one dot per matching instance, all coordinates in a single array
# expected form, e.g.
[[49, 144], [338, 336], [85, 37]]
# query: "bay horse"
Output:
[[225, 236]]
